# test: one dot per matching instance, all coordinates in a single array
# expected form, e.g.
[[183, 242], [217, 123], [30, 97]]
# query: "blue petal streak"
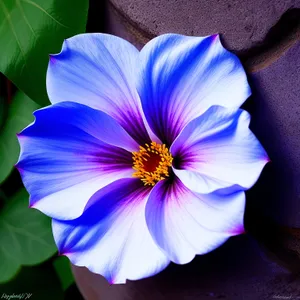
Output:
[[181, 77], [218, 150], [111, 237], [69, 153]]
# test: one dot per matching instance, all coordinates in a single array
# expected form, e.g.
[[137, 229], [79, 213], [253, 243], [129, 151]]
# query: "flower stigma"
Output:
[[152, 163]]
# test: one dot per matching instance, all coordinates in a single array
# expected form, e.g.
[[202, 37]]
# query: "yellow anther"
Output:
[[155, 167]]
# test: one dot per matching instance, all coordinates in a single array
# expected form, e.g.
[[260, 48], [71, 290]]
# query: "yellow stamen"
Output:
[[152, 163]]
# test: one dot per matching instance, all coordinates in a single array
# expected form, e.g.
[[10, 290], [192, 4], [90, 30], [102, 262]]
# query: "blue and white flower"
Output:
[[143, 157]]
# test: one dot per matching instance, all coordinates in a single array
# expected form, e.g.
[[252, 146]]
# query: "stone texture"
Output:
[[275, 111], [117, 24], [242, 23]]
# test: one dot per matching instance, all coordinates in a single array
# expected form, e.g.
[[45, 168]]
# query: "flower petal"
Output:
[[184, 223], [68, 154], [99, 70], [183, 76], [218, 150], [111, 237]]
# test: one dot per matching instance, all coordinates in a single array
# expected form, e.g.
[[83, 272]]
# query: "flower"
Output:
[[143, 157]]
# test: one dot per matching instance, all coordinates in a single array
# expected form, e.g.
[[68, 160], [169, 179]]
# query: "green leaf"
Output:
[[63, 270], [33, 283], [30, 30], [25, 236], [19, 116], [2, 111]]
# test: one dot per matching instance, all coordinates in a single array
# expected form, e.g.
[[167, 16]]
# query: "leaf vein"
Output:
[[8, 18], [44, 11], [25, 18]]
